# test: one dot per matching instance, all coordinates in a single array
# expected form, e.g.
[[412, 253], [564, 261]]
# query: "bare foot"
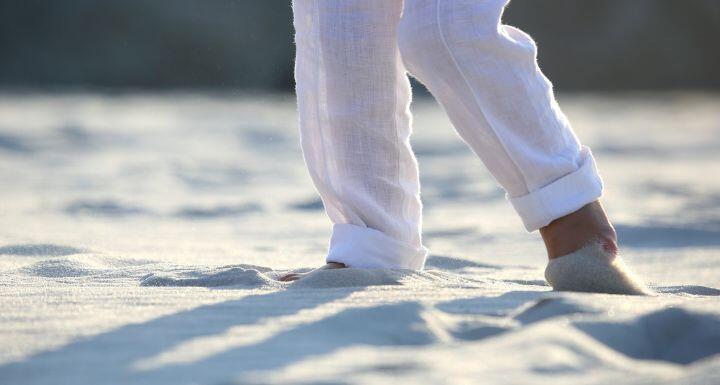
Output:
[[576, 230], [295, 276], [587, 244]]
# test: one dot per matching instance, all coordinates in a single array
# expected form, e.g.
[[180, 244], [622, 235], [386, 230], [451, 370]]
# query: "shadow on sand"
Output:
[[225, 340], [113, 357], [110, 357]]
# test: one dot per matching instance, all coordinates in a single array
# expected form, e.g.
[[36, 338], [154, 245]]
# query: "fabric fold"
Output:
[[363, 247], [561, 197]]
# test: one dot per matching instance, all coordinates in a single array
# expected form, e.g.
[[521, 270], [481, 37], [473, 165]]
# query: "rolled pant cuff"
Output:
[[561, 197], [357, 246]]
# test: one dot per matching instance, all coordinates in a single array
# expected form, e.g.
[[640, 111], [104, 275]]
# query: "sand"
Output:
[[143, 236]]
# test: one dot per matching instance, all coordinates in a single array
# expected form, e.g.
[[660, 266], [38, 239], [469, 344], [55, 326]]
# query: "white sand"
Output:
[[592, 269], [142, 238]]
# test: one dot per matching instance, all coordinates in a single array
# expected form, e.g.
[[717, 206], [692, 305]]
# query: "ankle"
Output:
[[572, 232]]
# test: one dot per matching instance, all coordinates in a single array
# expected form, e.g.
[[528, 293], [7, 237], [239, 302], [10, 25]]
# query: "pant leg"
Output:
[[486, 77], [353, 101]]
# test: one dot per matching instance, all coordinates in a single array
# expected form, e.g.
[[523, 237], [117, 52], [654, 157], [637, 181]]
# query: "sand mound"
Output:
[[349, 277], [86, 265], [247, 276], [60, 268], [352, 277], [674, 335], [593, 269]]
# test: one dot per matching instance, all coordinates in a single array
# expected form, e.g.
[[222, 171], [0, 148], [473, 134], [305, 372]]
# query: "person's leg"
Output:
[[486, 77], [353, 101]]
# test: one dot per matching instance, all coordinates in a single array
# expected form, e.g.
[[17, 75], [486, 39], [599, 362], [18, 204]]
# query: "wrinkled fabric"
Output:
[[352, 62]]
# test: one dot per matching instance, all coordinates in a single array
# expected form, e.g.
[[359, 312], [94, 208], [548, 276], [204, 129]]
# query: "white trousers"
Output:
[[353, 93]]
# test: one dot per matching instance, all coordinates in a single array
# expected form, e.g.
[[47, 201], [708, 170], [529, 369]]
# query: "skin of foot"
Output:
[[578, 229], [583, 252], [295, 276]]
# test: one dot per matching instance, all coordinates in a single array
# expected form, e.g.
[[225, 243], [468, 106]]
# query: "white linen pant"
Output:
[[353, 93]]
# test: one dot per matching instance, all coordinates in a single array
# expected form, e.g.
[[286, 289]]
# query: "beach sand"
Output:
[[142, 236]]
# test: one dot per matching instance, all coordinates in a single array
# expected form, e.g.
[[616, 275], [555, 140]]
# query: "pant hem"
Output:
[[561, 197], [363, 247]]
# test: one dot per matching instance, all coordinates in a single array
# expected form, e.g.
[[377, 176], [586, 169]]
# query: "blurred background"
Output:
[[178, 117], [246, 44], [159, 139]]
